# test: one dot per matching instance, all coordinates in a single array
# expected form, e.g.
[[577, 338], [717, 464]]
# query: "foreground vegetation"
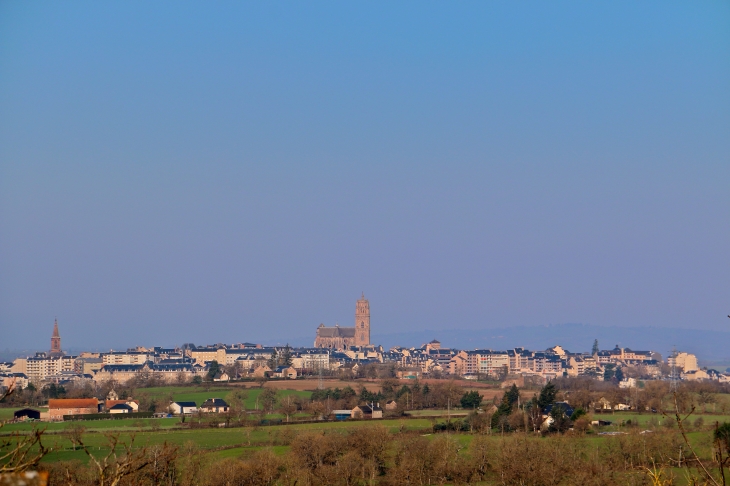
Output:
[[523, 437], [387, 452]]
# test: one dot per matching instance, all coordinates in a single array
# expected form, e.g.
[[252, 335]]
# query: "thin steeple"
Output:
[[56, 341]]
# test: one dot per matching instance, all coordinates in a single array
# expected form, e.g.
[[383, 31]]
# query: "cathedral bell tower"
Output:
[[56, 341], [362, 322]]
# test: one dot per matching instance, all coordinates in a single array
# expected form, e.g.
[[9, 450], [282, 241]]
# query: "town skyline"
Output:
[[333, 339], [343, 352]]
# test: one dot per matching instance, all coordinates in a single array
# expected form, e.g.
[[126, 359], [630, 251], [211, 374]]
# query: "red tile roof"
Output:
[[72, 403]]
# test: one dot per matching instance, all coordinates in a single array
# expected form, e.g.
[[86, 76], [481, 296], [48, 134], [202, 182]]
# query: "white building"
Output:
[[179, 408]]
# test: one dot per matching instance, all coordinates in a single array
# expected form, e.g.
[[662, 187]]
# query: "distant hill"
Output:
[[11, 354], [707, 345]]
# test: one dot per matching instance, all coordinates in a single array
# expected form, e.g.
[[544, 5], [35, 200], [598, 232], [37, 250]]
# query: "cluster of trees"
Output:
[[655, 395], [372, 454], [511, 413], [280, 359], [409, 397]]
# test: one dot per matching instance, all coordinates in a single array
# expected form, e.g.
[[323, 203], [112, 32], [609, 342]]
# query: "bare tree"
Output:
[[288, 406], [20, 452], [123, 460]]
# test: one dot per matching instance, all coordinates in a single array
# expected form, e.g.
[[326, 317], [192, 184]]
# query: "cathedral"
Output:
[[343, 337]]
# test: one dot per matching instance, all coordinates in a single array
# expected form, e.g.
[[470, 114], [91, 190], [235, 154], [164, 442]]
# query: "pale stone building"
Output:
[[41, 367], [686, 362]]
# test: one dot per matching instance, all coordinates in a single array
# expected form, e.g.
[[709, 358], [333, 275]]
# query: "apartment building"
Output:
[[41, 366], [126, 357], [685, 362]]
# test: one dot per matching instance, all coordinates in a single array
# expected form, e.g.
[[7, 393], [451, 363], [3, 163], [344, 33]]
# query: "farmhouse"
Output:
[[214, 405], [59, 407], [368, 412], [285, 372]]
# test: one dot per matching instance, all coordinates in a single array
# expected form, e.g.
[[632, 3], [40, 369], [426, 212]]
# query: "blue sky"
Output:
[[178, 171]]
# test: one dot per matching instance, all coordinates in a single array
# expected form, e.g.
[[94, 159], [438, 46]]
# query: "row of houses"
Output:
[[549, 363], [255, 361], [58, 409]]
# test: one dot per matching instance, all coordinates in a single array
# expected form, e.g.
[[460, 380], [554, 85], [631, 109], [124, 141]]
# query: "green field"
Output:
[[212, 445], [244, 438], [95, 425], [215, 443], [645, 419], [439, 413], [199, 394]]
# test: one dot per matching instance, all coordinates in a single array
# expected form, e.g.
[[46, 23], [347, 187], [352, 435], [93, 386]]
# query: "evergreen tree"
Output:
[[513, 395], [471, 399], [286, 358], [595, 347], [722, 435], [370, 397], [608, 372], [499, 419], [619, 374], [213, 370], [578, 413], [547, 395], [560, 421], [273, 360]]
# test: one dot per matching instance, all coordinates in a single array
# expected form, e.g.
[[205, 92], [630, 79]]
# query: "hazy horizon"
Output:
[[228, 172], [710, 346]]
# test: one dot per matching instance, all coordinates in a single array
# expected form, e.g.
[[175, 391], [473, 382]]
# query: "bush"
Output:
[[722, 435], [453, 425], [578, 413]]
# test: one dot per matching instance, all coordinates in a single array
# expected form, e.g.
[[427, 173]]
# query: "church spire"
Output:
[[56, 341]]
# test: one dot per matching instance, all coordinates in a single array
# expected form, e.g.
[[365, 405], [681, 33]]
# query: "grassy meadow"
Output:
[[213, 445], [199, 394]]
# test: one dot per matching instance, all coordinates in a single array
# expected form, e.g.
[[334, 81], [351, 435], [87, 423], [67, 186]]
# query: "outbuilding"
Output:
[[181, 408], [371, 411], [132, 403], [121, 408], [342, 414], [27, 414]]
